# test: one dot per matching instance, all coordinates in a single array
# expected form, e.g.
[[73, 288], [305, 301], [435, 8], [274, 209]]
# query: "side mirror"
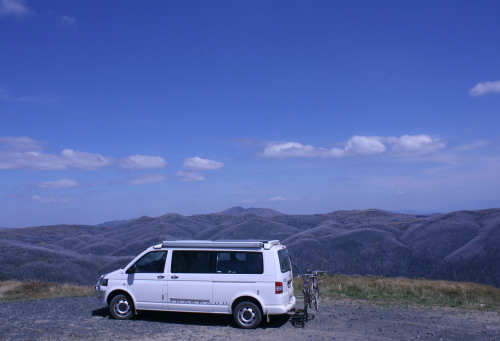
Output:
[[131, 270]]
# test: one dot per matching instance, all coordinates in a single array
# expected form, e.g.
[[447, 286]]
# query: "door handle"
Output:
[[161, 277], [174, 277]]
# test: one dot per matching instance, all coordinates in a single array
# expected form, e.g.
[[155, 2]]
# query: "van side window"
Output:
[[285, 263], [200, 262], [239, 262], [152, 262]]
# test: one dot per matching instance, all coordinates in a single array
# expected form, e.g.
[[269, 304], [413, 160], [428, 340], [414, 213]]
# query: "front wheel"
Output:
[[316, 297], [121, 307], [316, 301], [247, 315]]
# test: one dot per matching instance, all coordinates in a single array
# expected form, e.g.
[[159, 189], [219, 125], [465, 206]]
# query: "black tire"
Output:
[[247, 315], [316, 297], [121, 307], [310, 295], [306, 301], [316, 302]]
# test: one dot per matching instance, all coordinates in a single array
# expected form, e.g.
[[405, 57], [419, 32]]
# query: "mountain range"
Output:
[[461, 246]]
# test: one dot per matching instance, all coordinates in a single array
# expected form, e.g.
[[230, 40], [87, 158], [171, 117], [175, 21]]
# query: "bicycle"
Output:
[[311, 289]]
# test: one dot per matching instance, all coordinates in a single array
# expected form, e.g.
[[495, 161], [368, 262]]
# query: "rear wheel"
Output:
[[247, 315], [306, 301], [316, 297], [121, 307], [307, 295], [310, 293]]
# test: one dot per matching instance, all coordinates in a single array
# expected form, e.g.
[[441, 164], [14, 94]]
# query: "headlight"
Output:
[[102, 281], [99, 281]]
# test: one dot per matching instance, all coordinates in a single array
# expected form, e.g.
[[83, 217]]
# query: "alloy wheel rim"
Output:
[[247, 315], [122, 307]]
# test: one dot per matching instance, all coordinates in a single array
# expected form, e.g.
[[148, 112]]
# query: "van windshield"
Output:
[[285, 263]]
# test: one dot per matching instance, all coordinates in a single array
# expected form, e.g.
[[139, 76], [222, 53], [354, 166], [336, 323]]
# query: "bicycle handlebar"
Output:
[[310, 273]]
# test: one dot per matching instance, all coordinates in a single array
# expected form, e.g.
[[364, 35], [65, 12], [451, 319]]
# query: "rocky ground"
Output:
[[86, 318]]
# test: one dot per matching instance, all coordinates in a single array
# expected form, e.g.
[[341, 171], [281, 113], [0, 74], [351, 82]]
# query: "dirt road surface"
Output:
[[84, 318]]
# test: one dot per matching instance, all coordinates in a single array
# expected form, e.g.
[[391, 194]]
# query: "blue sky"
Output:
[[118, 109]]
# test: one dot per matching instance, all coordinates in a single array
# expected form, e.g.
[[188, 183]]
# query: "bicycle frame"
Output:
[[311, 290]]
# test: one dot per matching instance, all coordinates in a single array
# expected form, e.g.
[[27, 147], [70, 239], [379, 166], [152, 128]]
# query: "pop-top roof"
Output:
[[221, 244]]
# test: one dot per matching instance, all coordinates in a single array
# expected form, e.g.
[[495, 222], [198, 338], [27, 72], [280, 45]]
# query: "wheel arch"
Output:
[[120, 292], [249, 299]]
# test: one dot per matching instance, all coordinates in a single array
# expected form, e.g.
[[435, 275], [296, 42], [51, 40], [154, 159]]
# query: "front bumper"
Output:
[[100, 294]]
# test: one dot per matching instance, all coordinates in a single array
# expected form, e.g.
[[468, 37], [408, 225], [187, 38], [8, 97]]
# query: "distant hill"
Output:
[[260, 212], [462, 245], [112, 223]]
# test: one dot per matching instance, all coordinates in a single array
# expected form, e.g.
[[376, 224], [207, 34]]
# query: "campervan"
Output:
[[248, 279]]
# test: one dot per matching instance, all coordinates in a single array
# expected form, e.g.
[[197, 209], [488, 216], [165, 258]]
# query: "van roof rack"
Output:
[[222, 244]]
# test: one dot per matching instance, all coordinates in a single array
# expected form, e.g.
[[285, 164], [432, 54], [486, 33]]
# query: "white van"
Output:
[[247, 279]]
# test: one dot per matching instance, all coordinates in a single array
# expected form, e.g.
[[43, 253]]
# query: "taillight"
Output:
[[279, 287]]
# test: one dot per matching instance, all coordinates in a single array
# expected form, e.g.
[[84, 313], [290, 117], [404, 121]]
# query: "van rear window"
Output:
[[285, 263], [229, 262]]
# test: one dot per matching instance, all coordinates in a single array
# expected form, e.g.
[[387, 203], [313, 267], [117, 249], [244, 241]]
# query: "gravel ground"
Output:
[[86, 318]]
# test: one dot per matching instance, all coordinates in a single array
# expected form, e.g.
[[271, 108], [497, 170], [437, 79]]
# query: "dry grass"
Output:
[[377, 289], [35, 290], [410, 291]]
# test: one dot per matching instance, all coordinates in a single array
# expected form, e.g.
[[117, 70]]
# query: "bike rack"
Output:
[[302, 315]]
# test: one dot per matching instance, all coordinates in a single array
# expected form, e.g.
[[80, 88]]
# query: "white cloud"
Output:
[[142, 162], [197, 163], [35, 160], [473, 145], [63, 183], [19, 143], [43, 200], [46, 98], [68, 21], [193, 168], [337, 152], [404, 146], [414, 145], [76, 159], [17, 8], [484, 88], [25, 153], [148, 179], [293, 149], [278, 198], [190, 176], [46, 200], [364, 145], [31, 160], [22, 152]]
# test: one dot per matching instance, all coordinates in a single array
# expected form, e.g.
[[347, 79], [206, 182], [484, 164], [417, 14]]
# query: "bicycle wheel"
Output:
[[311, 293], [306, 299], [316, 296]]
